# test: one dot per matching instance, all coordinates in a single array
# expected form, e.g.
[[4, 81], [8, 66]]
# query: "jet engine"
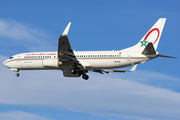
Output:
[[51, 63], [68, 73]]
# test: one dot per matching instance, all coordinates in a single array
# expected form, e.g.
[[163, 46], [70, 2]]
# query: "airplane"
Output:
[[78, 63]]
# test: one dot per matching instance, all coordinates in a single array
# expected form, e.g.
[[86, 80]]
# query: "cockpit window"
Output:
[[10, 57]]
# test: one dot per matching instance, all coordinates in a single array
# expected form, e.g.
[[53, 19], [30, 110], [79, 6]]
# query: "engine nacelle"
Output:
[[67, 73], [50, 63]]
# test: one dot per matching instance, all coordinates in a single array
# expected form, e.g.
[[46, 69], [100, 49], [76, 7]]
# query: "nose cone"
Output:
[[5, 63]]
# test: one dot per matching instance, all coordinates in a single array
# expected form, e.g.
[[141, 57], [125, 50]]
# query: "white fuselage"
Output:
[[89, 59], [78, 63]]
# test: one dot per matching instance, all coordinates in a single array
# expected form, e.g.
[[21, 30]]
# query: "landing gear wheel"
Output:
[[17, 74], [86, 77], [73, 71]]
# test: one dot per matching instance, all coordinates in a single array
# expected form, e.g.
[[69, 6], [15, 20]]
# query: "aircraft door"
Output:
[[129, 56], [19, 63]]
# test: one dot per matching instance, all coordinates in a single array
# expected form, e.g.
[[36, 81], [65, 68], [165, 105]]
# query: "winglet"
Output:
[[66, 29]]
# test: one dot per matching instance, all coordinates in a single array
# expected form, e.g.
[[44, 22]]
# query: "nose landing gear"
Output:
[[17, 74]]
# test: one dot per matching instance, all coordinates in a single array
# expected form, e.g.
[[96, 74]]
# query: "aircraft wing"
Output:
[[109, 70], [65, 53]]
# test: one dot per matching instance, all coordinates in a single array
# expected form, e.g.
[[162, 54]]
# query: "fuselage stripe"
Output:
[[77, 58], [21, 60]]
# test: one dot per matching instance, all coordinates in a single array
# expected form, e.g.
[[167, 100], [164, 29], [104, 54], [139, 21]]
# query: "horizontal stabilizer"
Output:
[[109, 70], [165, 56], [149, 49], [133, 68]]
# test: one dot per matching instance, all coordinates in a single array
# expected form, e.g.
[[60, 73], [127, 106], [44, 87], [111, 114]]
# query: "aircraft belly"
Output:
[[102, 64], [113, 63]]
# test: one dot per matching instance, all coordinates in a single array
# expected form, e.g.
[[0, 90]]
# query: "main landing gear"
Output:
[[73, 71], [85, 77], [83, 73]]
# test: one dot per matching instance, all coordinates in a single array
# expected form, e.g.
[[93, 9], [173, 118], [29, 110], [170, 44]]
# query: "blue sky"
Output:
[[151, 92]]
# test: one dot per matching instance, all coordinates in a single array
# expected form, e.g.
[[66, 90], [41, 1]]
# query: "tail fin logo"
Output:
[[144, 42]]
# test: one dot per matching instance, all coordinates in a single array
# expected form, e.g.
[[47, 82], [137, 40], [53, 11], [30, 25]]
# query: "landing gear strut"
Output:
[[17, 74], [83, 73]]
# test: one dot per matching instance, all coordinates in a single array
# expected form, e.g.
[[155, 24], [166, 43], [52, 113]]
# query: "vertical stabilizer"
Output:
[[152, 36]]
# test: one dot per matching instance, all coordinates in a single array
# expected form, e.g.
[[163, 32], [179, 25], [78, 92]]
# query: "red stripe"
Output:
[[151, 32], [23, 60], [78, 58], [112, 58]]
